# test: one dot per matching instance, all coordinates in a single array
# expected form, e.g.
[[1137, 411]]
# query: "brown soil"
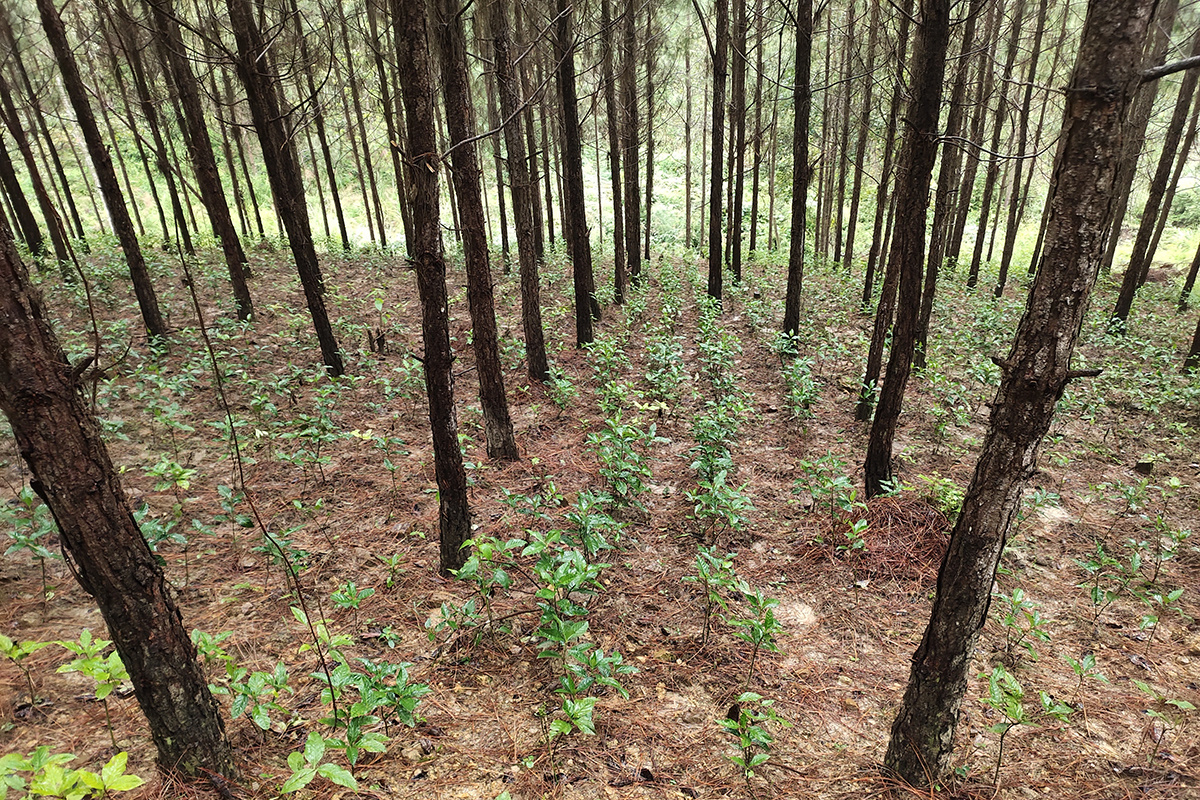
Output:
[[851, 620]]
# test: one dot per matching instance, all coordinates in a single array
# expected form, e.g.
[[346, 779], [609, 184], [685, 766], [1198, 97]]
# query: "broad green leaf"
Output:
[[298, 780], [339, 775]]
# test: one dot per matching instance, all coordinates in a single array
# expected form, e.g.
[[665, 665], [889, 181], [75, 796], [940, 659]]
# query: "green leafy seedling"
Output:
[[306, 765]]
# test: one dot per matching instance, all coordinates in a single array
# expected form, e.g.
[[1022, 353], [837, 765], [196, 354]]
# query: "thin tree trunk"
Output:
[[576, 235], [801, 171], [417, 87], [687, 143], [283, 170], [356, 102], [720, 65], [39, 120], [993, 170], [629, 103], [204, 162], [1189, 282], [460, 122], [1139, 260], [1014, 201], [27, 224], [1185, 151], [947, 184], [1034, 376], [882, 197], [114, 199], [650, 45], [917, 156], [756, 160], [612, 114], [839, 195], [864, 128], [60, 441], [737, 120], [522, 191]]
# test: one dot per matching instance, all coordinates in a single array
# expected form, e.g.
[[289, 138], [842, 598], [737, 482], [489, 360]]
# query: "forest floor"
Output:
[[317, 455]]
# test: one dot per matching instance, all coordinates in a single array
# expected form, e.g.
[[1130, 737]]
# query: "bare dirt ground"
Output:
[[851, 620]]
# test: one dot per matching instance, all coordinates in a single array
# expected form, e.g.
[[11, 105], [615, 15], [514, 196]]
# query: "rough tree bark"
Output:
[[283, 170], [460, 123], [522, 191], [60, 441], [576, 233], [801, 171], [720, 67], [204, 162], [1035, 374], [102, 162], [915, 170], [1140, 258], [416, 85]]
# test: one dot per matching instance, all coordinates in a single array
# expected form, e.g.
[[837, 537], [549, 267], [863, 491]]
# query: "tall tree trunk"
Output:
[[1139, 260], [126, 32], [204, 162], [460, 123], [864, 128], [629, 159], [980, 94], [801, 171], [915, 170], [27, 224], [651, 43], [687, 143], [60, 441], [756, 160], [1139, 120], [390, 115], [522, 191], [948, 175], [576, 234], [993, 170], [878, 234], [417, 87], [720, 67], [39, 119], [839, 194], [612, 114], [737, 136], [356, 102], [283, 170], [113, 197], [1014, 201], [1034, 376]]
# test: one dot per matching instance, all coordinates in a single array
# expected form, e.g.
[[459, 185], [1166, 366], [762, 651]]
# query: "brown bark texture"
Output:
[[917, 155], [416, 85], [60, 441], [283, 170], [1035, 374], [105, 174], [460, 123]]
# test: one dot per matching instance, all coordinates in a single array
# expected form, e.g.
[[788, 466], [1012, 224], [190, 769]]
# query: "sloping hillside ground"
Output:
[[341, 475]]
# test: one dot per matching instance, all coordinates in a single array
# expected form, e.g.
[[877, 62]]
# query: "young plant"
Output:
[[716, 576], [1005, 695], [620, 447], [349, 596], [31, 523], [17, 652], [760, 628], [1167, 713], [747, 722], [256, 694], [107, 671], [307, 764], [1022, 624]]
